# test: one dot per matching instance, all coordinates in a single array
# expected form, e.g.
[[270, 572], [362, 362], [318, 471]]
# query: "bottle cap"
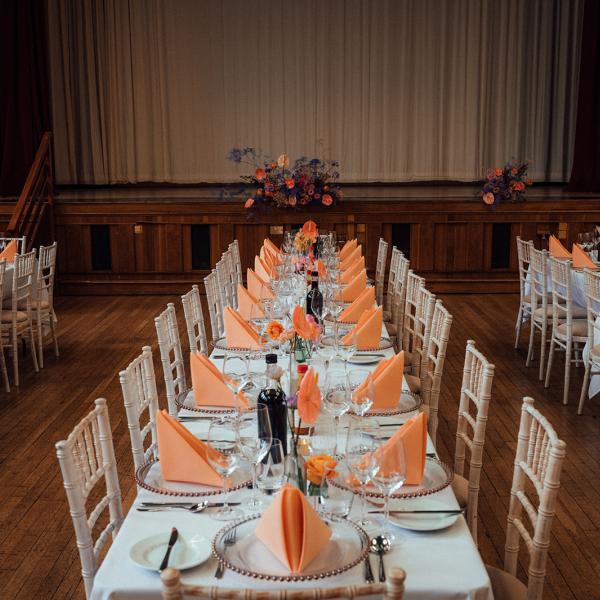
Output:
[[302, 368], [271, 359], [315, 273]]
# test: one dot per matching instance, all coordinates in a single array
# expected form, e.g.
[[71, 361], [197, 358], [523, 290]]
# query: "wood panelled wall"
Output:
[[454, 242]]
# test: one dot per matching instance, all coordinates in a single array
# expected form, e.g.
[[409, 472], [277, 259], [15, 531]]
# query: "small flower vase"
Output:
[[294, 468], [301, 350]]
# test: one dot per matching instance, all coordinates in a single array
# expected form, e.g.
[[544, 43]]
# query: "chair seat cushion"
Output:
[[506, 586], [595, 352], [539, 312], [460, 487], [34, 305], [7, 316], [580, 329], [414, 383]]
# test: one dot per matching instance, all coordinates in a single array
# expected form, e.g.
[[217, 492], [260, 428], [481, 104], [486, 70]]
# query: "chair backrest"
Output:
[[215, 307], [399, 302], [524, 257], [138, 385], [538, 461], [23, 278], [2, 280], [414, 283], [224, 283], [86, 457], [475, 394], [393, 273], [562, 292], [434, 369], [424, 317], [538, 278], [232, 278], [382, 251], [393, 589], [237, 263], [169, 344], [194, 321], [592, 292], [21, 243], [46, 272]]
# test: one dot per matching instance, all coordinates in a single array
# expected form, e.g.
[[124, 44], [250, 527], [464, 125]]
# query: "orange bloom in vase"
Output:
[[274, 330], [318, 466], [310, 230]]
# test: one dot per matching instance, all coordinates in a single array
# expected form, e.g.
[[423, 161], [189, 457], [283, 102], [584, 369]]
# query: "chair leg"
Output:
[[531, 343], [519, 322], [33, 350], [15, 357], [4, 369], [40, 336], [550, 358], [543, 350], [53, 330], [568, 351], [584, 387]]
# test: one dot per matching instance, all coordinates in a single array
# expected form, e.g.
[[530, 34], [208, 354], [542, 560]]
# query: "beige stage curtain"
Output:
[[396, 90]]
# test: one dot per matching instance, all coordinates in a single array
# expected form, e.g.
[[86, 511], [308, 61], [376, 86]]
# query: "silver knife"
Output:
[[165, 561], [451, 511], [210, 504]]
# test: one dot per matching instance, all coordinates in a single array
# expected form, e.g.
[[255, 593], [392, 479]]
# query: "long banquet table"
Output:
[[440, 564]]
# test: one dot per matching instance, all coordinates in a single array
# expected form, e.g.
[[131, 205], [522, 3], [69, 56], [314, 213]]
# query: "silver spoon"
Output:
[[193, 508], [380, 545]]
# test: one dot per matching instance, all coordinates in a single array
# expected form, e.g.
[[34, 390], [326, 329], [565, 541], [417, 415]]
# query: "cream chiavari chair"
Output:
[[391, 287], [475, 394], [169, 344], [425, 307], [592, 361], [382, 251], [21, 243], [540, 314], [215, 307], [407, 336], [538, 465], [224, 283], [86, 457], [138, 385], [392, 589], [395, 328], [237, 263], [569, 323], [194, 321], [2, 357], [19, 323], [229, 259], [43, 305], [523, 253]]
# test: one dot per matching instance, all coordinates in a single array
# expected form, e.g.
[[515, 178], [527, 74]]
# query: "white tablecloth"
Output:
[[442, 564]]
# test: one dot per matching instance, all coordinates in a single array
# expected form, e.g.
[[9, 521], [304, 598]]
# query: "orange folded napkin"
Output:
[[387, 380], [367, 331], [309, 397], [9, 252], [365, 301], [248, 305], [272, 247], [353, 290], [266, 258], [292, 530], [238, 333], [354, 255], [274, 257], [349, 246], [209, 384], [557, 250], [581, 259], [413, 434], [258, 286], [183, 457], [356, 267], [321, 269], [262, 269]]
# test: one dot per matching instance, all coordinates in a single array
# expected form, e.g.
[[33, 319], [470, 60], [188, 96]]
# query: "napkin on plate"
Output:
[[262, 269], [183, 457], [309, 397], [352, 313], [367, 330], [321, 269], [272, 247], [292, 530], [248, 305], [413, 434], [9, 252], [356, 267], [355, 254], [387, 380], [557, 250], [238, 333], [353, 290], [349, 246], [273, 255], [581, 259], [258, 286], [209, 384]]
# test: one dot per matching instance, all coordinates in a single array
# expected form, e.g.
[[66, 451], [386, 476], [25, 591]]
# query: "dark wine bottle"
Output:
[[273, 397], [314, 298]]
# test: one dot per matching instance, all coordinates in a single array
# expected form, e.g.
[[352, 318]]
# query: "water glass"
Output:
[[271, 470], [361, 403], [336, 397]]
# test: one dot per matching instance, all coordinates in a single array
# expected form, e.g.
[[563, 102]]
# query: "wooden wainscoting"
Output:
[[161, 240]]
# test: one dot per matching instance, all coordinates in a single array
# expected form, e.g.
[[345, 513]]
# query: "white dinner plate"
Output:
[[189, 551], [423, 522], [365, 359]]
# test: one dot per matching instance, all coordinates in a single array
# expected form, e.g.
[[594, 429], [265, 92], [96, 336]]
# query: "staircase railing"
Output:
[[33, 214]]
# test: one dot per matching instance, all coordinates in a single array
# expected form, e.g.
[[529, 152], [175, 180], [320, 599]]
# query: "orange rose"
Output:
[[327, 200], [498, 172], [260, 174], [488, 198], [273, 165], [318, 466], [274, 330], [249, 203], [290, 183]]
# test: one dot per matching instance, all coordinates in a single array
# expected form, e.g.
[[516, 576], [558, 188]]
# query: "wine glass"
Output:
[[318, 307], [271, 469], [254, 434], [389, 474], [346, 350], [336, 399], [361, 402], [322, 436], [223, 456], [361, 443], [234, 380]]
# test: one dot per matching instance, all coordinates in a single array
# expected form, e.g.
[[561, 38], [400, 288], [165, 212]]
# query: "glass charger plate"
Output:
[[347, 547], [186, 400], [437, 476], [221, 344], [149, 476], [384, 344], [408, 403]]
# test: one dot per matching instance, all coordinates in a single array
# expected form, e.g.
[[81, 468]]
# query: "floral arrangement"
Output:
[[306, 237], [305, 326], [318, 467], [504, 184], [277, 183]]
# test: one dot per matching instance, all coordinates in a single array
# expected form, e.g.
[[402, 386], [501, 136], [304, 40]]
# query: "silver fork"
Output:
[[193, 508], [229, 540]]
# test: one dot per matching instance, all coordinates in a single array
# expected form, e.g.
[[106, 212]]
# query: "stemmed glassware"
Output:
[[322, 437], [235, 381], [271, 469], [361, 403], [224, 457], [255, 437], [346, 351], [336, 397]]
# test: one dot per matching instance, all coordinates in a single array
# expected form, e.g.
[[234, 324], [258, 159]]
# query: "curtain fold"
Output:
[[150, 90]]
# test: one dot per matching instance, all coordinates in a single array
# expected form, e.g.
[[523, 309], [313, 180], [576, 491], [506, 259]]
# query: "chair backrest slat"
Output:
[[414, 283], [382, 251], [215, 306], [194, 320]]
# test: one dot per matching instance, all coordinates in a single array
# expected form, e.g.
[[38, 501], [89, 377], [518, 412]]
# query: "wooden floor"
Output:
[[99, 336]]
